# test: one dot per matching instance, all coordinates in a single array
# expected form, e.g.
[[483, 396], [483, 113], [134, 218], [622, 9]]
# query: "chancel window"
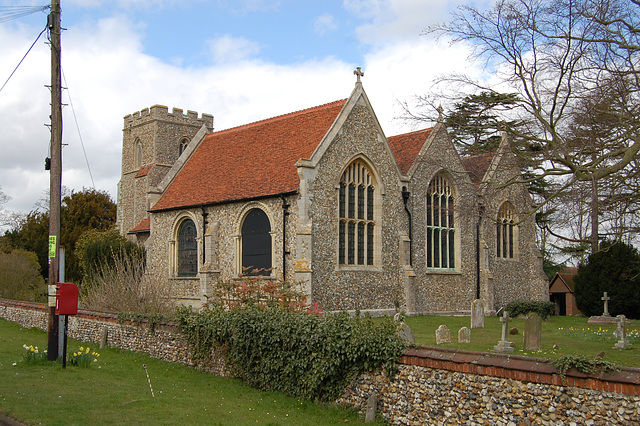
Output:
[[441, 229], [187, 249], [357, 222], [505, 231], [256, 243]]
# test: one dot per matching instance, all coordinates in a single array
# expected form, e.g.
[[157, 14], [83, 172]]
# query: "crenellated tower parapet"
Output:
[[152, 141]]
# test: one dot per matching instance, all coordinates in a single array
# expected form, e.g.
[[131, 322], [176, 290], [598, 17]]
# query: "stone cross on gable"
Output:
[[358, 73], [606, 299]]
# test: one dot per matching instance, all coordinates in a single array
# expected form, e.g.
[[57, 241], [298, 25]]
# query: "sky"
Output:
[[239, 60]]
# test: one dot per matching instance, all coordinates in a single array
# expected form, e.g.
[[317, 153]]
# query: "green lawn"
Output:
[[115, 390], [570, 335]]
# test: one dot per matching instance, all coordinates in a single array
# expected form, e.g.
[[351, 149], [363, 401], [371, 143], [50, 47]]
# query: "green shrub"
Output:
[[616, 270], [310, 356], [521, 307]]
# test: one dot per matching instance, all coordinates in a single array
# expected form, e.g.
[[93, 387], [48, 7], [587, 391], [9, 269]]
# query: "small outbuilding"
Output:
[[561, 293]]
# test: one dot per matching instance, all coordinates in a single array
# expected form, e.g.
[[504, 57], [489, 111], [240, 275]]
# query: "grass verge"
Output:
[[114, 390]]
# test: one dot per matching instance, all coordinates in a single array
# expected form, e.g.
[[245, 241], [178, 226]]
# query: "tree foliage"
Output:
[[572, 67], [79, 212], [20, 277], [615, 269]]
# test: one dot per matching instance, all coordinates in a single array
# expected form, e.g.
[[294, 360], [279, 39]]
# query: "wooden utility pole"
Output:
[[53, 23]]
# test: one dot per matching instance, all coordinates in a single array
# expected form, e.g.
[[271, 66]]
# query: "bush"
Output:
[[310, 356], [544, 309], [616, 270], [121, 285], [20, 277]]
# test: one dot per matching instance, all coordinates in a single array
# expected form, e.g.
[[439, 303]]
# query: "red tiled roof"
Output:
[[477, 165], [250, 161], [406, 147], [144, 170], [143, 226]]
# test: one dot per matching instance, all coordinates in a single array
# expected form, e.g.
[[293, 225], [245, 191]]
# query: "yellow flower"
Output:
[[81, 348], [75, 354], [87, 350]]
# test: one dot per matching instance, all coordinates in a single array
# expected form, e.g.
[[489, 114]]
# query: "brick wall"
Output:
[[433, 385]]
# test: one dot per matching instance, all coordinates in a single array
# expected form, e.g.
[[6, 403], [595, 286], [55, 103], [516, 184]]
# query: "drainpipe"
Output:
[[204, 230], [405, 197], [478, 224], [285, 252]]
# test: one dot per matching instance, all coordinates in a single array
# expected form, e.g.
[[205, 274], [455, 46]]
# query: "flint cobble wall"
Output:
[[433, 386]]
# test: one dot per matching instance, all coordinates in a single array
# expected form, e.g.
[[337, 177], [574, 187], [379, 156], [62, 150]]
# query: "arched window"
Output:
[[441, 229], [256, 243], [137, 154], [183, 145], [357, 221], [505, 231], [187, 249]]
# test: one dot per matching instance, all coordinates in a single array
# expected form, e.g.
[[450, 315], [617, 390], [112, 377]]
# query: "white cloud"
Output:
[[324, 23], [227, 49]]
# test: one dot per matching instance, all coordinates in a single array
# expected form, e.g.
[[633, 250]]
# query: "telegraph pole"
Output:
[[53, 22]]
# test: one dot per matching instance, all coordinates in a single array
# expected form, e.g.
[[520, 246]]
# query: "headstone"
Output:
[[443, 335], [513, 331], [533, 332], [372, 404], [503, 345], [622, 331], [404, 331], [464, 335], [606, 299], [477, 314], [103, 337]]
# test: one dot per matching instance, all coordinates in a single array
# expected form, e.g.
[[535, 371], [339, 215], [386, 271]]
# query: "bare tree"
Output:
[[574, 67]]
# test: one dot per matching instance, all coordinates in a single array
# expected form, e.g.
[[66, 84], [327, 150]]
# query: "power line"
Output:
[[9, 13], [73, 110], [25, 55]]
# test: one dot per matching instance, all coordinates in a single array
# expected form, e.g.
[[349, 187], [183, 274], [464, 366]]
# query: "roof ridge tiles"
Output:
[[281, 117]]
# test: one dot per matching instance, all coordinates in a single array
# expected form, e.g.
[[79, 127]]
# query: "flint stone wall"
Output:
[[433, 385]]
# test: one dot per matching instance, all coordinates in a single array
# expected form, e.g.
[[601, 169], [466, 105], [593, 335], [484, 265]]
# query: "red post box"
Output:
[[66, 299]]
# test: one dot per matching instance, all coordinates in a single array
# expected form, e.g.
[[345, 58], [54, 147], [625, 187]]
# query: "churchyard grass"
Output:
[[115, 390], [570, 335]]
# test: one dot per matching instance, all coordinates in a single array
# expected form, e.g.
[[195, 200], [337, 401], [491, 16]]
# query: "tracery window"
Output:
[[183, 145], [256, 243], [357, 221], [187, 249], [505, 231], [441, 228]]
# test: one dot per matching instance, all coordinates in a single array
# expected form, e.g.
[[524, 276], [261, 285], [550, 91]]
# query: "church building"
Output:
[[322, 197]]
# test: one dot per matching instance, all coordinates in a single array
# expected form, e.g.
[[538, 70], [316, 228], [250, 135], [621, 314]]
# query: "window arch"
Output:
[[357, 216], [137, 154], [183, 146], [256, 243], [506, 231], [187, 249], [441, 227]]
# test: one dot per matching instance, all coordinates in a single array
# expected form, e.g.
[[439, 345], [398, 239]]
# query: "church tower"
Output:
[[153, 140]]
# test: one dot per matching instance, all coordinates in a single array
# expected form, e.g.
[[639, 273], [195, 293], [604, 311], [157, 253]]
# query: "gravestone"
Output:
[[504, 346], [606, 317], [103, 337], [372, 404], [622, 332], [477, 314], [404, 331], [464, 335], [533, 332], [443, 335]]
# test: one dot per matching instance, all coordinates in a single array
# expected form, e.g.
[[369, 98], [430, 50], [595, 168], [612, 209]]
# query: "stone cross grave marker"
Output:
[[443, 335], [622, 332], [464, 335], [606, 299], [532, 332], [503, 345], [477, 314]]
